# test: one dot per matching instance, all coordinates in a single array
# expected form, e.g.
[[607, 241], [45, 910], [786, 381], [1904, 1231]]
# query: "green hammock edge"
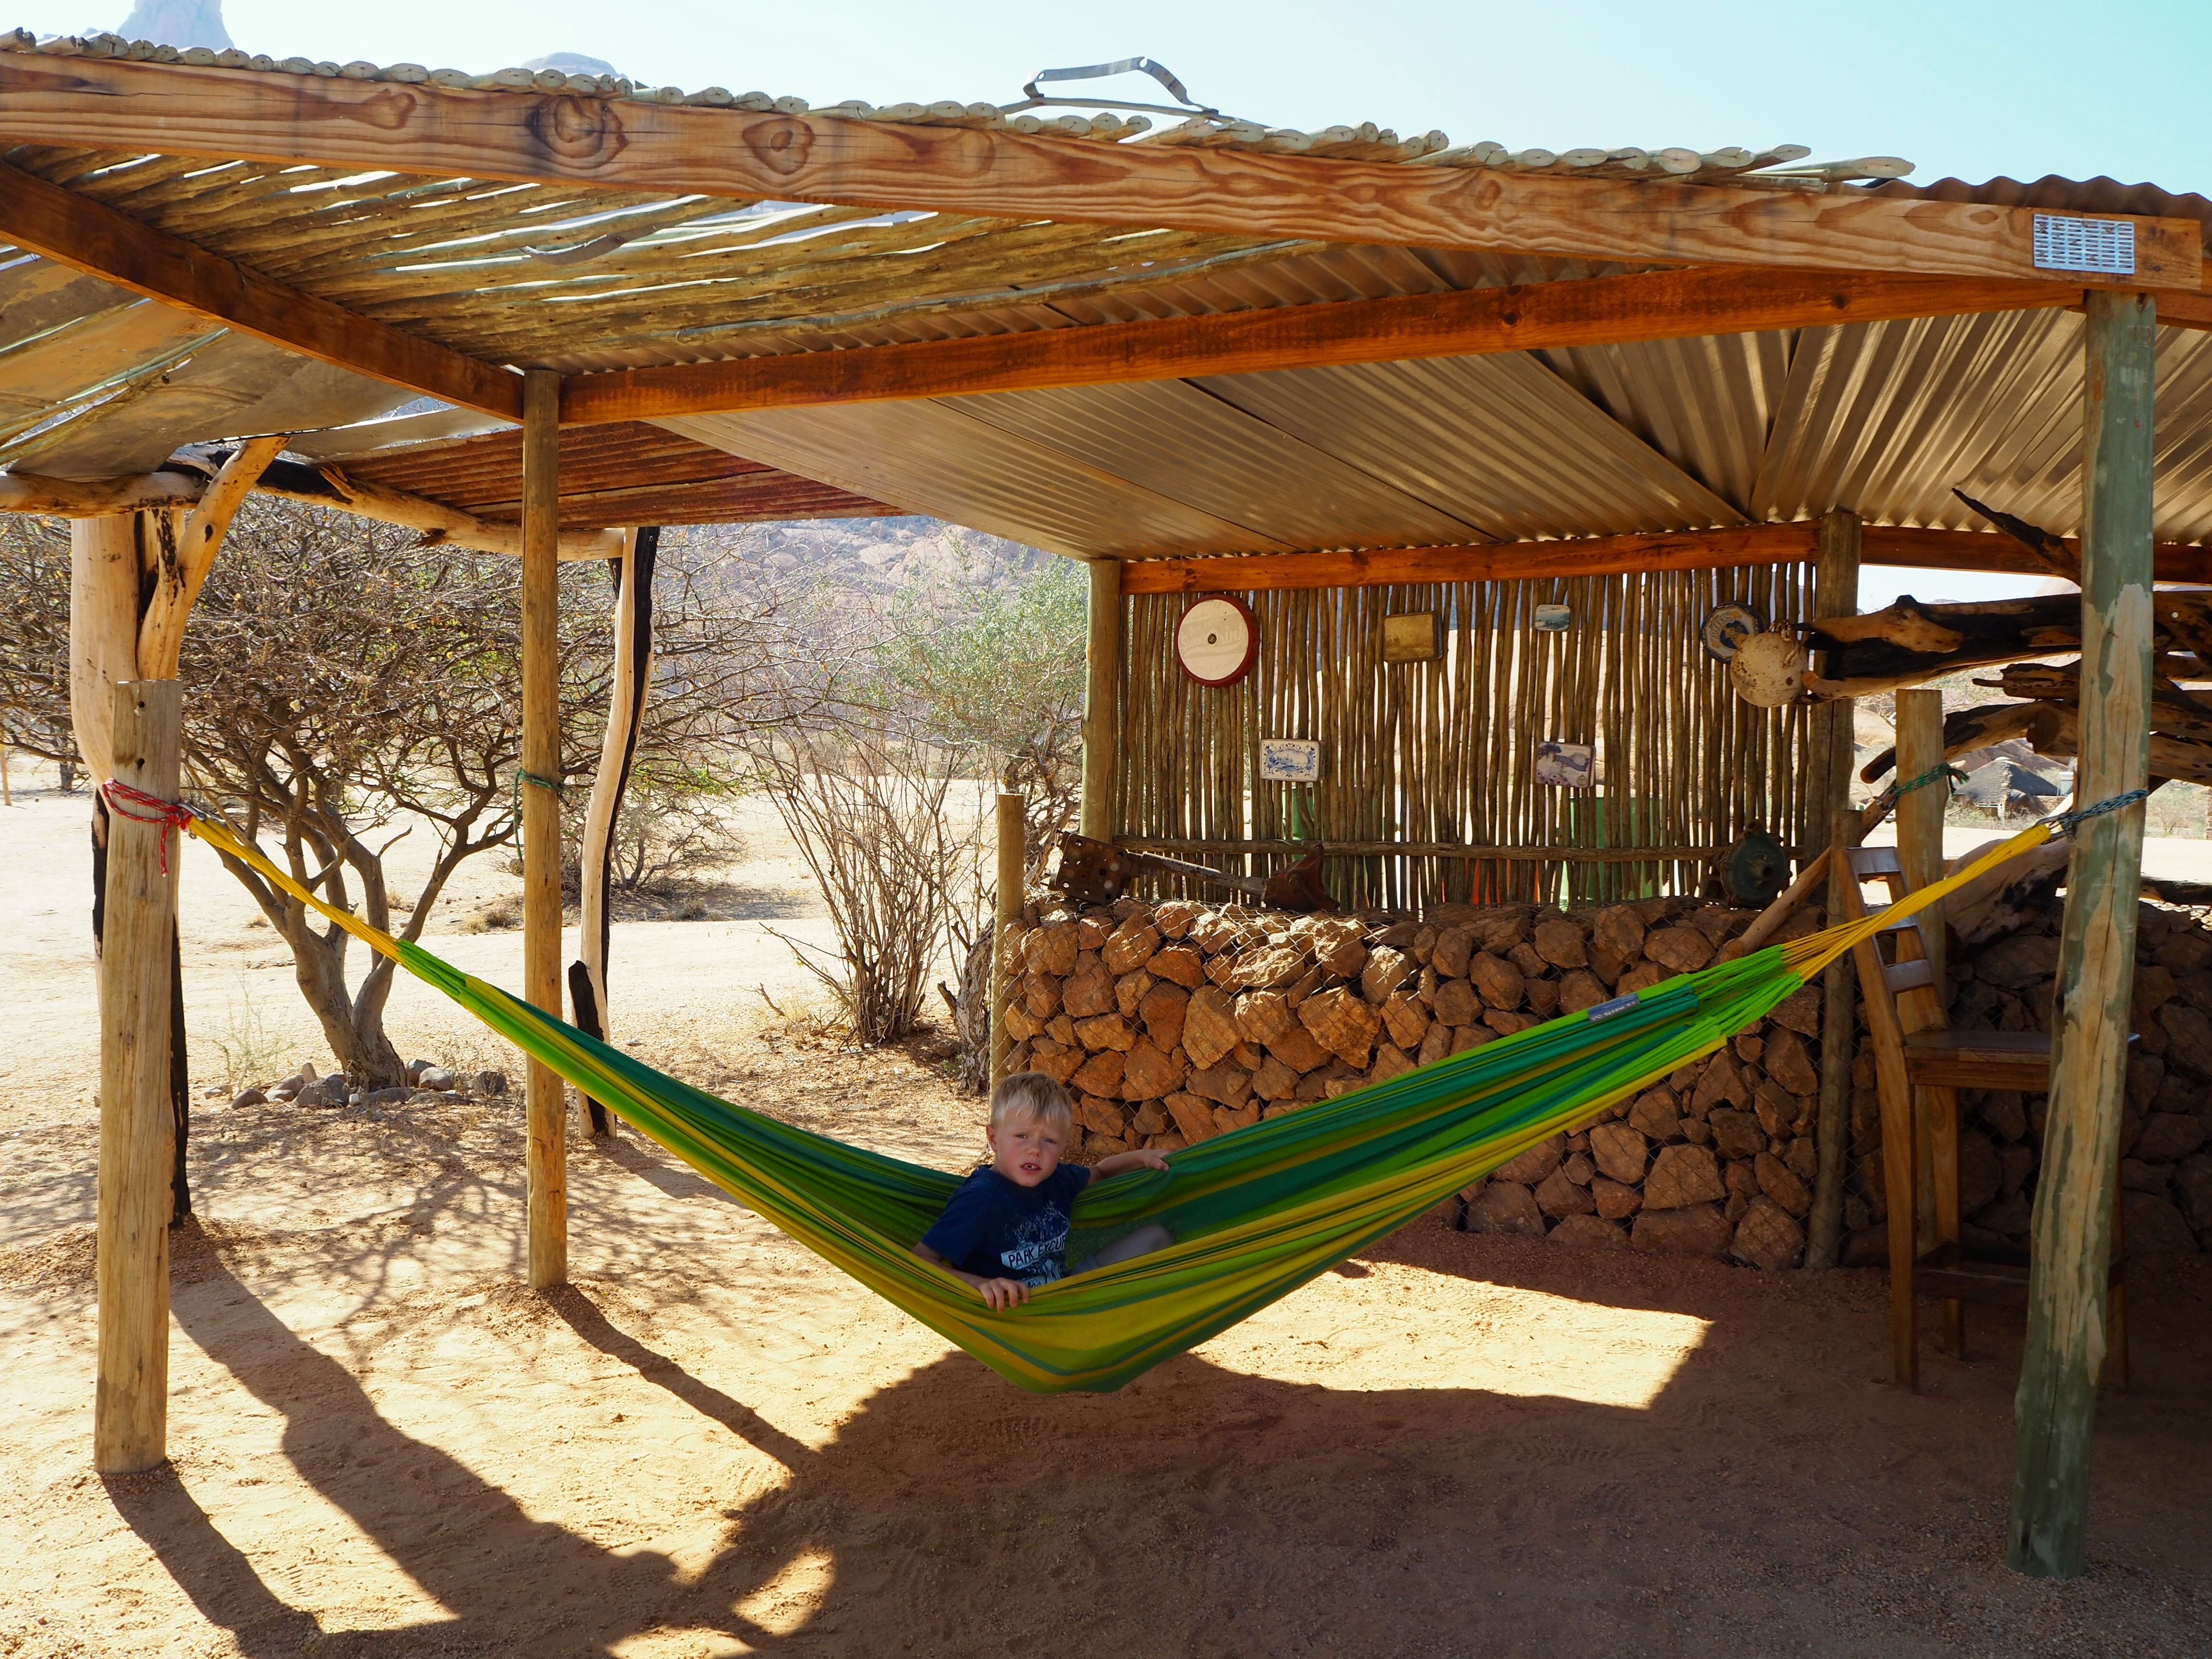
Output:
[[1396, 1148]]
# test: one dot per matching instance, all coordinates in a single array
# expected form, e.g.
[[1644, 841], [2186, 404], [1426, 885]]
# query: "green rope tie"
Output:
[[1945, 769], [554, 786], [2065, 821]]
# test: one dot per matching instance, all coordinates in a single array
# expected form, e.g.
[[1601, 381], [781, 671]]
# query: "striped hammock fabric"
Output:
[[1255, 1213]]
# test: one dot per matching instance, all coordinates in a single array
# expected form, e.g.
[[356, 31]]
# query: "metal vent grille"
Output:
[[2105, 246]]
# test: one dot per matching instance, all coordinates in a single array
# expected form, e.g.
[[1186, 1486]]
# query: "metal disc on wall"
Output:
[[1728, 626], [1217, 641]]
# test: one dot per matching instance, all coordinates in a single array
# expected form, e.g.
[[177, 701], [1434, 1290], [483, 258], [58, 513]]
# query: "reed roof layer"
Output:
[[540, 240]]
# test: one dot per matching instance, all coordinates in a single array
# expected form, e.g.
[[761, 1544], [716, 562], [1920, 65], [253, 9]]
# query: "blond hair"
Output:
[[1034, 1096]]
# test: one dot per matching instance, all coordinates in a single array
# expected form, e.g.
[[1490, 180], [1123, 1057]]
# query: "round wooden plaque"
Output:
[[1218, 640]]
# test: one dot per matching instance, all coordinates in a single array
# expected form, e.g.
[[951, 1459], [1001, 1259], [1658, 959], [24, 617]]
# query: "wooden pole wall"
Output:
[[1835, 593], [1102, 725], [1013, 863], [2055, 1407], [129, 1424], [547, 1101]]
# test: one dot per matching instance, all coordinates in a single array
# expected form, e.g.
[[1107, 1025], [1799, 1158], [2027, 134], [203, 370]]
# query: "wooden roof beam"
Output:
[[563, 137], [318, 486], [1608, 555], [88, 236], [1598, 311]]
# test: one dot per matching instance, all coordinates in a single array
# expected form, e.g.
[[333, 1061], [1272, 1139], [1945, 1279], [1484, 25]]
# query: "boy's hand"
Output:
[[1142, 1157], [1000, 1294]]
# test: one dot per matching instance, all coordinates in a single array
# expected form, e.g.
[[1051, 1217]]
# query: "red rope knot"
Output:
[[123, 801]]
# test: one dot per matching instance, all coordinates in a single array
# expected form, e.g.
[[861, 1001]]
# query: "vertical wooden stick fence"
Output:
[[129, 1424], [1012, 865], [1428, 789], [540, 786], [2072, 1237], [1101, 733]]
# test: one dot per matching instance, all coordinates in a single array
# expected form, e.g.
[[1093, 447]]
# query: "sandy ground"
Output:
[[714, 1445]]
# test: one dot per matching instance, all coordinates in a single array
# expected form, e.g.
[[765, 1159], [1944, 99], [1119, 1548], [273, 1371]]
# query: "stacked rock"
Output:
[[1176, 1021]]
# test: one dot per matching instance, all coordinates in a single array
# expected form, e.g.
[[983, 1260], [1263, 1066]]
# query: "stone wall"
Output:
[[1173, 1022], [1176, 1021], [2166, 1130]]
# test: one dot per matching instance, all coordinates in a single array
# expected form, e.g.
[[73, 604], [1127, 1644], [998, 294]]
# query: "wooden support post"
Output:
[[633, 673], [1920, 849], [1835, 593], [1920, 814], [131, 1404], [548, 1111], [2072, 1242], [1824, 1229], [1013, 865], [1102, 725]]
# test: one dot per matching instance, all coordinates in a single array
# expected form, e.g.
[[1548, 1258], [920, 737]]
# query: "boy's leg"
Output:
[[1148, 1238]]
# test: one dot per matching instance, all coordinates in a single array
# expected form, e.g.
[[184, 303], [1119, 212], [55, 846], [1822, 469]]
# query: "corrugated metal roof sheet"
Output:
[[930, 457], [1501, 442], [1176, 440]]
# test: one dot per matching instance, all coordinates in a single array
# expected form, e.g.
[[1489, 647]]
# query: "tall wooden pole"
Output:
[[1920, 814], [632, 575], [131, 1403], [2055, 1407], [547, 1101], [1829, 822], [1013, 865], [1920, 850], [1832, 1130], [1101, 723]]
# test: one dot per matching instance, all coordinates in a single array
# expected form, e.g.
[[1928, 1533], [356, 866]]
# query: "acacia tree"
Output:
[[340, 677]]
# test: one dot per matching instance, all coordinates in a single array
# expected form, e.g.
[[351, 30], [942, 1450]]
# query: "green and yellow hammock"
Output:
[[1255, 1213]]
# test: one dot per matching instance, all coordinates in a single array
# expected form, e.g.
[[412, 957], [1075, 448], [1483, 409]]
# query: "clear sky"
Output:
[[1972, 89], [2025, 88]]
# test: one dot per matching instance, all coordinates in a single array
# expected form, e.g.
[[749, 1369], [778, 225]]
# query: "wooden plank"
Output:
[[2072, 1239], [1898, 1172], [620, 144], [1975, 550], [1602, 555], [1101, 699], [131, 1401], [546, 1100], [89, 235], [1598, 555], [1596, 311]]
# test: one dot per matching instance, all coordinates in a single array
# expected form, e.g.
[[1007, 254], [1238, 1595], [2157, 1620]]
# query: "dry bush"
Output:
[[868, 810]]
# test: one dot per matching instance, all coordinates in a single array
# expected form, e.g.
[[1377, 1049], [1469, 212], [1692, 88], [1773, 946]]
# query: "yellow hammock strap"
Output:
[[1804, 957], [1807, 956], [219, 836]]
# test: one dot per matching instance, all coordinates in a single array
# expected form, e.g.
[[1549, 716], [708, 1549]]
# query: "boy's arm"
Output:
[[997, 1293], [1144, 1158]]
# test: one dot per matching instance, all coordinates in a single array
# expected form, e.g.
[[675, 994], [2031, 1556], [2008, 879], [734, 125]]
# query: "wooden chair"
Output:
[[1920, 1066]]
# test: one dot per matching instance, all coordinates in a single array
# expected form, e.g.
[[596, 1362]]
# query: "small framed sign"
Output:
[[1565, 765], [1289, 760], [1554, 618], [1416, 638]]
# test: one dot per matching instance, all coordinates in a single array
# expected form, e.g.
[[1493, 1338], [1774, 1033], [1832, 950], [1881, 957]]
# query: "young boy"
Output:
[[1006, 1229]]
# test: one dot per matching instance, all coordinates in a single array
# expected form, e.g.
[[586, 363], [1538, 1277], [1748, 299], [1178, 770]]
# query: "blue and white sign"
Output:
[[1289, 760]]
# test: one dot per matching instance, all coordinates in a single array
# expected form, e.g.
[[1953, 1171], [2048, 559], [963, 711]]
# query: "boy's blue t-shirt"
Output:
[[995, 1228]]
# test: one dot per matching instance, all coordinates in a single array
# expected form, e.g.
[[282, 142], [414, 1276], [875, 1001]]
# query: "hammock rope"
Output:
[[1254, 1213]]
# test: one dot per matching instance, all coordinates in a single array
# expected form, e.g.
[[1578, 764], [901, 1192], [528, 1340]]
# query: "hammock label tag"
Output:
[[1608, 1010]]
